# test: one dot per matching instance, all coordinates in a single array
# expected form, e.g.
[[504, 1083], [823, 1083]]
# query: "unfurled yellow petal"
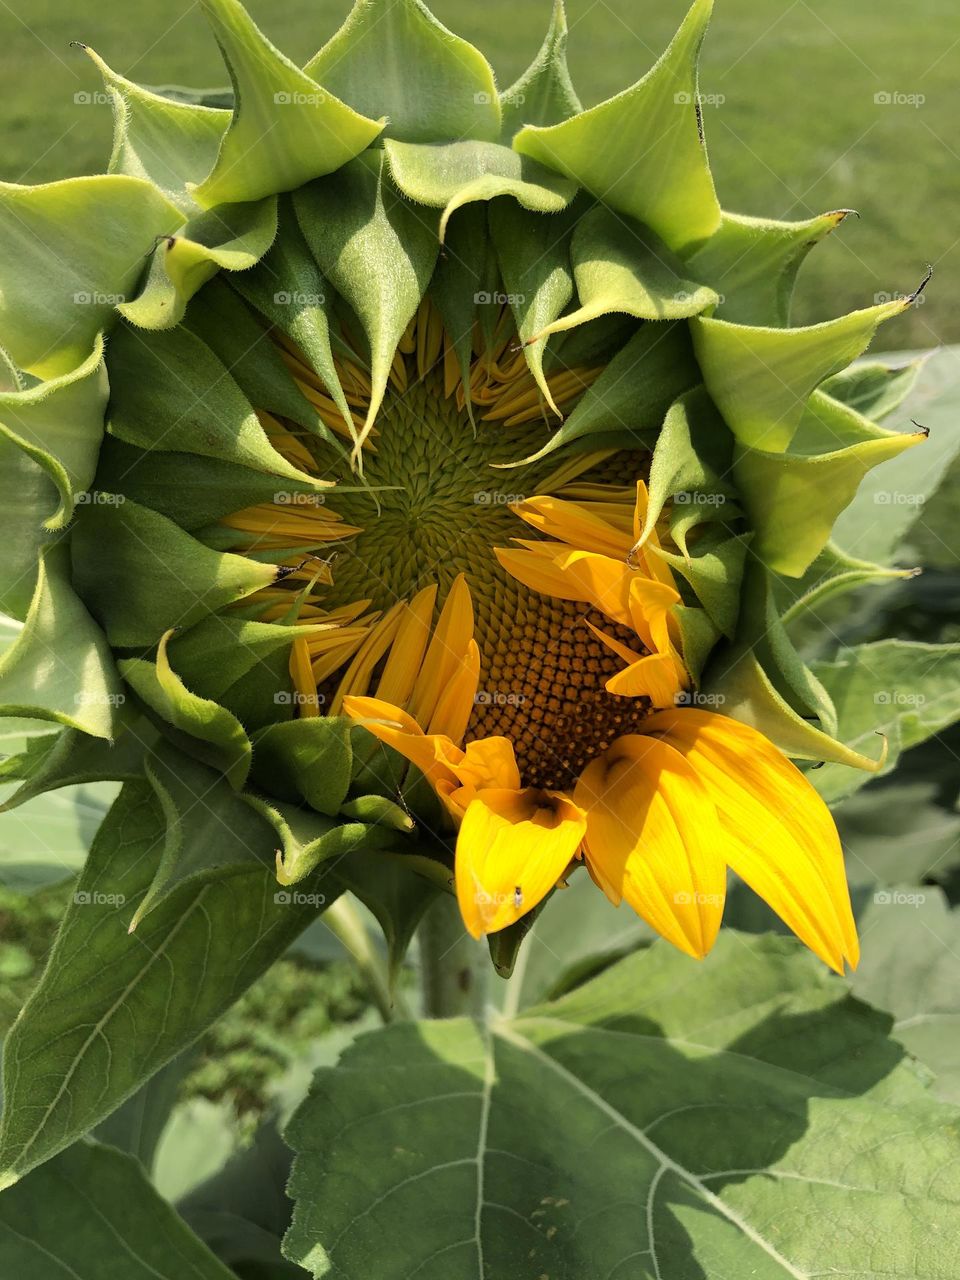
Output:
[[778, 834], [305, 686], [653, 839], [406, 656], [555, 570], [451, 641], [574, 524], [459, 697], [434, 756], [512, 849], [654, 677]]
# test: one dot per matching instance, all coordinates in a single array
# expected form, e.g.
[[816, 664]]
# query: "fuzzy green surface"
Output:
[[798, 133]]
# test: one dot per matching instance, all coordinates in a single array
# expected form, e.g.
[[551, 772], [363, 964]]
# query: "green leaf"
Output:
[[622, 269], [308, 840], [898, 830], [873, 388], [634, 392], [138, 1126], [172, 144], [231, 238], [457, 285], [169, 391], [642, 152], [225, 745], [906, 691], [793, 498], [379, 254], [28, 498], [544, 94], [447, 176], [911, 967], [72, 758], [397, 888], [111, 1008], [393, 58], [92, 1214], [830, 574], [140, 575], [73, 251], [285, 129], [306, 761], [60, 667], [727, 1121], [59, 424], [753, 263], [761, 378]]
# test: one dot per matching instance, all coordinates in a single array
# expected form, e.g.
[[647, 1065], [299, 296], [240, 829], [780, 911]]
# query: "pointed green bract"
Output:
[[73, 251], [305, 761], [174, 145], [761, 379], [620, 268], [544, 94], [59, 424], [448, 177], [377, 251], [642, 152], [753, 263], [830, 574], [60, 667], [230, 238], [873, 388], [140, 574], [308, 840], [393, 58], [28, 498], [285, 129]]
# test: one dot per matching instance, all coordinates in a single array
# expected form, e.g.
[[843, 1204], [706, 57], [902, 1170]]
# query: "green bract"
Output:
[[323, 208]]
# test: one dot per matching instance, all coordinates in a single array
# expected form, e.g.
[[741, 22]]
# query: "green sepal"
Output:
[[544, 94], [169, 391], [73, 250], [223, 321], [60, 667], [172, 144], [832, 573], [286, 287], [357, 226], [397, 888], [762, 378], [457, 284], [713, 566], [28, 497], [72, 758], [59, 424], [192, 491], [307, 839], [378, 811], [534, 258], [622, 269], [393, 58], [140, 575], [753, 263], [634, 392], [873, 388], [230, 238], [305, 761], [698, 639], [222, 741], [242, 665], [449, 175], [793, 499], [285, 128], [642, 152]]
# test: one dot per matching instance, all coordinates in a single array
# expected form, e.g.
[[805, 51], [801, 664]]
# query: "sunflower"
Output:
[[428, 463]]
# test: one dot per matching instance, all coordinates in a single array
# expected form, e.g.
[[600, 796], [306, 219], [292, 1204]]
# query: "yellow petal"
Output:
[[433, 755], [406, 656], [450, 643], [512, 849], [555, 570], [653, 677], [574, 524], [459, 697], [652, 838], [779, 835]]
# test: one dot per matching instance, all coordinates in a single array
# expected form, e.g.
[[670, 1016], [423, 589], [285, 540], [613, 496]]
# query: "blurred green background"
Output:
[[798, 130]]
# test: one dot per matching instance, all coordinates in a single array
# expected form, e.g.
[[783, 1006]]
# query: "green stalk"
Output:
[[453, 967]]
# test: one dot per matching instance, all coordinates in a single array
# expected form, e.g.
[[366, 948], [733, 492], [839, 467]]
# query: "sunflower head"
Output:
[[422, 462]]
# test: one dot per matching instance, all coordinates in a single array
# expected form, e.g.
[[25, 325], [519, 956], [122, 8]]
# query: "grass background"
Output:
[[799, 131]]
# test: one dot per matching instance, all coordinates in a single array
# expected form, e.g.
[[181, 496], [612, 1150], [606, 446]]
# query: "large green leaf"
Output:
[[642, 152], [112, 1008], [544, 94], [906, 691], [732, 1119], [92, 1214], [393, 58]]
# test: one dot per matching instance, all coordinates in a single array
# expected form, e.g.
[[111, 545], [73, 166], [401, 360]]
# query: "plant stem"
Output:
[[453, 967], [344, 920]]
